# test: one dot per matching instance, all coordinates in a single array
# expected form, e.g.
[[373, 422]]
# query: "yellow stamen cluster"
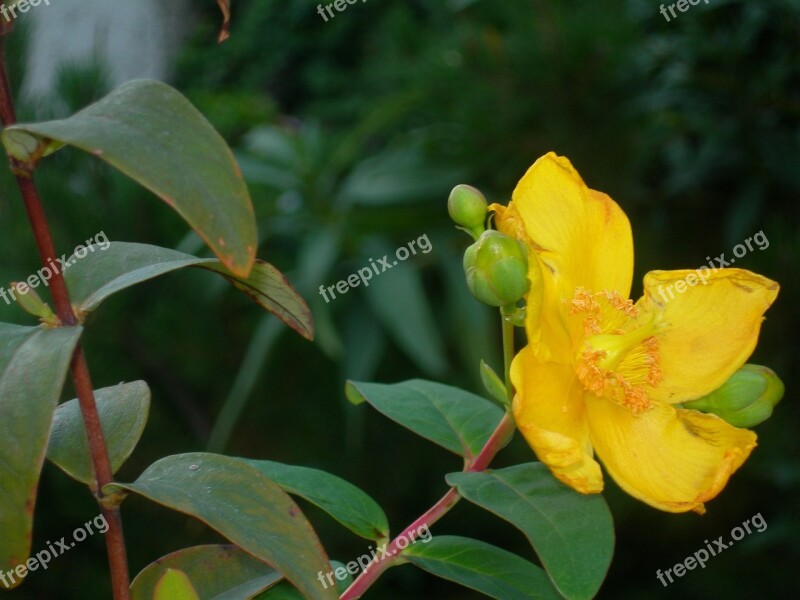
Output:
[[602, 310], [618, 357]]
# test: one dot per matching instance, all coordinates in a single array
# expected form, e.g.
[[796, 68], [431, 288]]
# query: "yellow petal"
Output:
[[550, 414], [707, 330], [672, 459], [581, 235]]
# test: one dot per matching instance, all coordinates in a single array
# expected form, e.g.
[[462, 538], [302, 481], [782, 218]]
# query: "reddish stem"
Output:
[[393, 551], [81, 378]]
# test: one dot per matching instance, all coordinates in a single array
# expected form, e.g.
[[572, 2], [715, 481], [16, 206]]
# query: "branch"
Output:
[[23, 172]]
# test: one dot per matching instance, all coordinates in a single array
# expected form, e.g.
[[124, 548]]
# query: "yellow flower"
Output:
[[602, 375]]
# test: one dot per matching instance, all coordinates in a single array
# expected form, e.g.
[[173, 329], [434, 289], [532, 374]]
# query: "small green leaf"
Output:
[[33, 365], [151, 133], [398, 299], [482, 567], [103, 272], [342, 500], [456, 420], [174, 585], [31, 303], [572, 533], [243, 505], [217, 572], [493, 384], [123, 412]]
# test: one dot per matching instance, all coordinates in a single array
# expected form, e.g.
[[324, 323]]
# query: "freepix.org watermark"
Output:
[[43, 558], [667, 292], [339, 5], [45, 274], [683, 6], [365, 274], [363, 562], [9, 9], [701, 556]]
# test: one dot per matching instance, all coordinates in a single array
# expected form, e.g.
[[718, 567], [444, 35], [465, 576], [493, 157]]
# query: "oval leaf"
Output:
[[342, 500], [151, 133], [572, 533], [454, 419], [482, 567], [123, 412], [103, 272], [398, 300], [33, 364], [217, 572], [174, 585], [243, 505]]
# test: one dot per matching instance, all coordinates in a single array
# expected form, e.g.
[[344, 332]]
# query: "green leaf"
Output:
[[174, 585], [151, 133], [342, 500], [482, 567], [33, 365], [217, 572], [493, 384], [454, 419], [397, 176], [123, 412], [243, 505], [572, 533], [121, 265], [398, 299]]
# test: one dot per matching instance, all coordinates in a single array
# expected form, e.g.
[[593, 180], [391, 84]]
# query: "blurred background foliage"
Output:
[[351, 133]]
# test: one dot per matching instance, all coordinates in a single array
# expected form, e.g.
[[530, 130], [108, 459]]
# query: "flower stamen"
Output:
[[618, 357]]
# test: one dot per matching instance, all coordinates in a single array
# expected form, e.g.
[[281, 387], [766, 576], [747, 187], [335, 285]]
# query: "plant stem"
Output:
[[496, 442], [79, 368], [508, 352]]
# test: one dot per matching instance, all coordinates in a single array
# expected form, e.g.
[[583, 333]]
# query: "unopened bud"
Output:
[[746, 399], [496, 267], [468, 207]]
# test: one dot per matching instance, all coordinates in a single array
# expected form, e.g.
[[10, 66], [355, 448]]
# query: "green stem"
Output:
[[508, 351], [496, 442]]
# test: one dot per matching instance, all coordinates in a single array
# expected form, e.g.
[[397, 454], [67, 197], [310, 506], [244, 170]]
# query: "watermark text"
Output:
[[43, 558], [365, 273], [701, 556]]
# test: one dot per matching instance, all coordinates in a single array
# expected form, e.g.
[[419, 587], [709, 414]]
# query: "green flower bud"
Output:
[[467, 207], [496, 267], [746, 399]]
